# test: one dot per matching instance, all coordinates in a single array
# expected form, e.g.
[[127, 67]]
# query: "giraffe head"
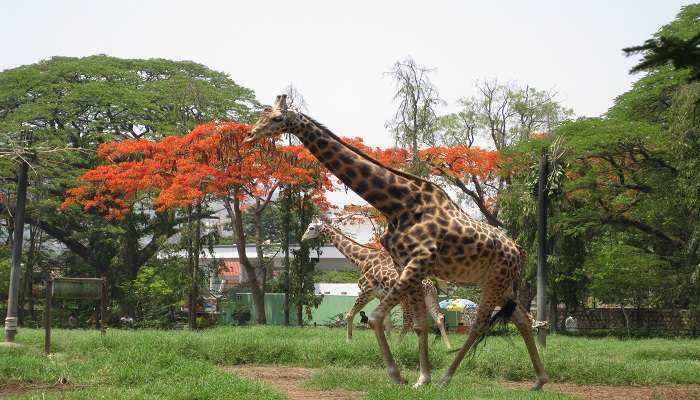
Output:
[[274, 120], [314, 230]]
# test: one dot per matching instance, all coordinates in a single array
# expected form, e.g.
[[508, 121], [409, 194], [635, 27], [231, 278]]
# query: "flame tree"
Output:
[[212, 162]]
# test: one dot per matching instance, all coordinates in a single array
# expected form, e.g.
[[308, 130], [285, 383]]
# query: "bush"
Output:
[[241, 313]]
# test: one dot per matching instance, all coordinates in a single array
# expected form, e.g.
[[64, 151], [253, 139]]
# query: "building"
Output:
[[337, 289], [230, 274]]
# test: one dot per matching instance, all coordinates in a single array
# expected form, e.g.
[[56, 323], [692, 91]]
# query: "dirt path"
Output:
[[288, 381], [23, 388], [590, 392]]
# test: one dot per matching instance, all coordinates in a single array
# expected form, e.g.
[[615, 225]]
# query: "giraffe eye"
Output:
[[276, 119]]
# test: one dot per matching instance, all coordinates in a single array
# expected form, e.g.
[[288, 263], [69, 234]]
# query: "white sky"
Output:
[[335, 52]]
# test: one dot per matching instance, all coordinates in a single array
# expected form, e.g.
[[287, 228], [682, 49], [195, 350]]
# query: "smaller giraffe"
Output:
[[378, 275]]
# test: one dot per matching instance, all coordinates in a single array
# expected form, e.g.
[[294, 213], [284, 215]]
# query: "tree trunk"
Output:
[[542, 248], [11, 319], [262, 267], [191, 255], [236, 216], [300, 267], [286, 227], [27, 298]]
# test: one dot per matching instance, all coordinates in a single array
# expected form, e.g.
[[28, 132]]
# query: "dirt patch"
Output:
[[20, 388], [590, 392], [288, 381]]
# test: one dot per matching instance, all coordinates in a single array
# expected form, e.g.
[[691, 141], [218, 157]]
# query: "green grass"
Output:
[[377, 385], [181, 364]]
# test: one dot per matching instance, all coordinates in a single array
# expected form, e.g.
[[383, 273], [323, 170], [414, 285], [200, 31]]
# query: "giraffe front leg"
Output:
[[407, 283], [421, 328], [360, 303], [407, 320]]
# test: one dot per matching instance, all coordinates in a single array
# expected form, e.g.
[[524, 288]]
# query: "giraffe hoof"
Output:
[[421, 382], [444, 381], [539, 383], [395, 376], [399, 380]]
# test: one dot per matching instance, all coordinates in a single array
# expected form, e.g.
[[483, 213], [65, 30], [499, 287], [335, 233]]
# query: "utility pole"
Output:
[[542, 248], [13, 295]]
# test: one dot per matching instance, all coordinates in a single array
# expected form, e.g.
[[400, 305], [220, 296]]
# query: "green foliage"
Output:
[[241, 313], [623, 207], [622, 274], [4, 277], [671, 58], [675, 44], [153, 297], [469, 292], [337, 277], [55, 113]]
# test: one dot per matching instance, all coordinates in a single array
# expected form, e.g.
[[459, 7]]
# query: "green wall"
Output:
[[330, 306]]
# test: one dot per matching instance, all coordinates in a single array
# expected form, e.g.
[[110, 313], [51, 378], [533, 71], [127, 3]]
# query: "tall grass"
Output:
[[180, 364]]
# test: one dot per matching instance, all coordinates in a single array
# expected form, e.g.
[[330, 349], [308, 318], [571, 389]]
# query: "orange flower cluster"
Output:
[[459, 161], [213, 159], [391, 157]]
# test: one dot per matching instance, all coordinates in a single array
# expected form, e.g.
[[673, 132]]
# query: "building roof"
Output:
[[230, 270], [231, 252]]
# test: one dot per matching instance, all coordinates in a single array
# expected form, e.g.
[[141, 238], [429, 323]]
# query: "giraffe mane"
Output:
[[372, 160], [331, 227]]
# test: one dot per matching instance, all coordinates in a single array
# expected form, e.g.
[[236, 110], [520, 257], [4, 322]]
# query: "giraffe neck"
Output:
[[352, 250], [386, 189]]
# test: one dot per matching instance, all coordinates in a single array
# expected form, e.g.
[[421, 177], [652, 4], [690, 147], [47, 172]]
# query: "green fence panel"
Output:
[[330, 306]]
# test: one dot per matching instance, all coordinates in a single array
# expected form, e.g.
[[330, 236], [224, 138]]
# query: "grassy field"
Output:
[[185, 365]]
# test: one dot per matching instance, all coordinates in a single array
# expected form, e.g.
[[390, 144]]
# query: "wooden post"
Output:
[[542, 248], [47, 315], [103, 306]]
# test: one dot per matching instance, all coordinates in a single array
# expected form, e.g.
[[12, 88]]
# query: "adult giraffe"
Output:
[[378, 273], [427, 234]]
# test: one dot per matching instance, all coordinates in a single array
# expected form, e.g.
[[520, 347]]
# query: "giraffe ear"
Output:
[[277, 101]]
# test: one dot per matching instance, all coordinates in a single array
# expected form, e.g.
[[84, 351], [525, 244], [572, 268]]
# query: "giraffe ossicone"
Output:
[[428, 235]]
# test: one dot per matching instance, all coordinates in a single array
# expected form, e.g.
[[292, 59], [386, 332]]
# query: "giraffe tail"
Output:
[[503, 315]]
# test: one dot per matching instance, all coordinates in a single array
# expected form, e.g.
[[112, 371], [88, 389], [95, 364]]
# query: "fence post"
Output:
[[47, 315], [103, 306]]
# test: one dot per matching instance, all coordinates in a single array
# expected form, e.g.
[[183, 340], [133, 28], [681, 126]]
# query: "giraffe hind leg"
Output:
[[361, 301], [478, 330], [438, 317], [522, 322]]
